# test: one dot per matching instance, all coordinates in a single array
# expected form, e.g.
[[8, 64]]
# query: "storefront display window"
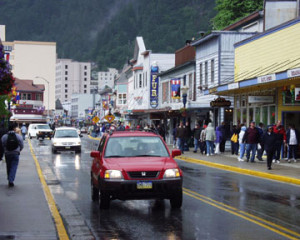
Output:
[[244, 115], [265, 115], [251, 117], [272, 114], [257, 115]]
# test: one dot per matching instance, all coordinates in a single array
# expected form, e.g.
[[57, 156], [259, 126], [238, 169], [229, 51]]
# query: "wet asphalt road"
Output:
[[216, 204]]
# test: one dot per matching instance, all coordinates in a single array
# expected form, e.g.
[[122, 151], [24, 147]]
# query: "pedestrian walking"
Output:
[[210, 137], [181, 135], [196, 133], [281, 140], [251, 138], [23, 130], [12, 144], [161, 131], [223, 138], [292, 140], [188, 137], [174, 136], [269, 140], [242, 143], [202, 140], [260, 148], [234, 140], [218, 139]]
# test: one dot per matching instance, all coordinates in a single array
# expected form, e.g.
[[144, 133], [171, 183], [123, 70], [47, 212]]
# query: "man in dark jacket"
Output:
[[12, 156], [223, 138], [281, 140], [196, 133], [251, 138], [181, 135], [269, 140]]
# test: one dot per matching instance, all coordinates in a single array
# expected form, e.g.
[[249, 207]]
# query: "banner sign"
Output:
[[154, 87], [175, 87]]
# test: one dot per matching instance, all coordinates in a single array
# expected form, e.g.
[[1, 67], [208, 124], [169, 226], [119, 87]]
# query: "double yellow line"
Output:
[[60, 228], [247, 216]]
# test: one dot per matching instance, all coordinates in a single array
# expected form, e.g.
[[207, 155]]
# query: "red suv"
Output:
[[135, 165]]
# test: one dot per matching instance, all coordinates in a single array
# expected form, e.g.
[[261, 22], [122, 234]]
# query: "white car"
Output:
[[39, 130], [66, 139]]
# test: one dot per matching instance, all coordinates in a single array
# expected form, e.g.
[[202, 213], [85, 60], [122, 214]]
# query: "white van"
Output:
[[39, 130]]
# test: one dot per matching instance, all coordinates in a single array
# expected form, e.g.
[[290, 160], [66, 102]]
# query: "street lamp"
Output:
[[184, 91], [48, 117]]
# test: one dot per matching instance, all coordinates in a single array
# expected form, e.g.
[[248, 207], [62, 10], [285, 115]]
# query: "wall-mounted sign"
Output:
[[220, 102], [293, 72], [175, 83], [233, 86], [260, 99], [266, 78], [154, 87]]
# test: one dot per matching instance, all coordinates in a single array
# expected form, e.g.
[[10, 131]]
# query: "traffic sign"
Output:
[[110, 118]]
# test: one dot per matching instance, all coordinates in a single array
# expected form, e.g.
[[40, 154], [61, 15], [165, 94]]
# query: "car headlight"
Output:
[[172, 173], [113, 174]]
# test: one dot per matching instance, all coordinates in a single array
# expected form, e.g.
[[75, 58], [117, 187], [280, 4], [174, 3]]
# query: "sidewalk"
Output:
[[24, 211], [227, 161]]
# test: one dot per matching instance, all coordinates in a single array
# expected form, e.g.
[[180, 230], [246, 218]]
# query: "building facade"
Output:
[[107, 78], [72, 78]]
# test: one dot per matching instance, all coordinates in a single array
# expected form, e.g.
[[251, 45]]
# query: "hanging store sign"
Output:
[[293, 72], [154, 87], [260, 99], [266, 78], [220, 102]]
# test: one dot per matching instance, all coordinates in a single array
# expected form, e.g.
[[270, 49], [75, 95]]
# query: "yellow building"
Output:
[[266, 85]]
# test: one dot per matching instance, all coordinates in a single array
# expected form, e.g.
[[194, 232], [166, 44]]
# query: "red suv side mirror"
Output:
[[95, 154], [176, 152]]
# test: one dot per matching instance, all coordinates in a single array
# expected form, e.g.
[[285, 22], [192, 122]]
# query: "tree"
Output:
[[230, 11]]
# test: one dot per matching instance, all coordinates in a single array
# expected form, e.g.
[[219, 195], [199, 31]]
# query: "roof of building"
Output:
[[28, 86]]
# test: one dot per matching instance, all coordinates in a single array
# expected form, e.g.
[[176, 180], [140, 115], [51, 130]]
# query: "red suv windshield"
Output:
[[135, 147]]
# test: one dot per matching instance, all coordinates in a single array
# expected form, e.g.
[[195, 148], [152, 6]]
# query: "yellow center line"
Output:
[[241, 170], [61, 230], [247, 216]]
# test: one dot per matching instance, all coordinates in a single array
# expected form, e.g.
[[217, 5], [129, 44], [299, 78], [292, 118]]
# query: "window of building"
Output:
[[66, 96], [66, 78], [66, 90], [206, 74], [140, 80], [122, 99], [84, 86], [184, 80], [212, 69], [85, 73], [66, 72], [26, 96], [201, 74], [66, 66], [38, 97], [84, 91], [85, 67], [85, 79], [66, 85]]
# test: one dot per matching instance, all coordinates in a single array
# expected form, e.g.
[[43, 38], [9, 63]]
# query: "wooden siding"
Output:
[[267, 50]]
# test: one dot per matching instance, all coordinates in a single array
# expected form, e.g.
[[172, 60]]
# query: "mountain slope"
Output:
[[104, 31]]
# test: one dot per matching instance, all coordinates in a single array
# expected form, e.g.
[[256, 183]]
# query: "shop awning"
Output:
[[256, 84]]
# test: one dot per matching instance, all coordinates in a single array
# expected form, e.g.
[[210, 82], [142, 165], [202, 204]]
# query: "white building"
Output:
[[36, 61], [143, 86], [71, 78], [80, 103], [107, 78]]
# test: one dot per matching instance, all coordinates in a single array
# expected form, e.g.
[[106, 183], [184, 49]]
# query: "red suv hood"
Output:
[[140, 163]]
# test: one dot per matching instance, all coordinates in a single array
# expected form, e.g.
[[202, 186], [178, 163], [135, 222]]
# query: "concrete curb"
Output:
[[241, 170]]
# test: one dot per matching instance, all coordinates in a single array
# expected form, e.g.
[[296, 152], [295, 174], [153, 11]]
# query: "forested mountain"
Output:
[[104, 31]]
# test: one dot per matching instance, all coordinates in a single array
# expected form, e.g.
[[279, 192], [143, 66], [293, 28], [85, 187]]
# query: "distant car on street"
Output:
[[83, 130], [39, 130], [135, 165], [66, 139]]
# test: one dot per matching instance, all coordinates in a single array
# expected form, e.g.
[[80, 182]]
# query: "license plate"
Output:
[[67, 147], [144, 185]]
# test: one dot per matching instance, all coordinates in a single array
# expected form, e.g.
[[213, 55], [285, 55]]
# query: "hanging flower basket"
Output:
[[6, 78]]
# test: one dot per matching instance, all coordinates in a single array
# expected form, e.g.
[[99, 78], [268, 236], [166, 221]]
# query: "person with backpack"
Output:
[[12, 144]]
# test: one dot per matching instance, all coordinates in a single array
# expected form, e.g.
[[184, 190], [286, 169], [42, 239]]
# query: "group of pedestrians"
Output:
[[249, 142], [275, 140]]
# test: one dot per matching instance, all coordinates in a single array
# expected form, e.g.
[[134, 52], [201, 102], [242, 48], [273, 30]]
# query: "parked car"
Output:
[[83, 130], [135, 165], [66, 139], [39, 130]]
